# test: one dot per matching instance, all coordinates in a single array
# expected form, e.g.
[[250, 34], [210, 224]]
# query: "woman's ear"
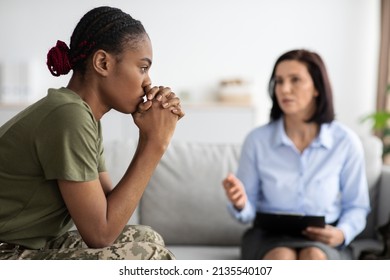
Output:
[[101, 62]]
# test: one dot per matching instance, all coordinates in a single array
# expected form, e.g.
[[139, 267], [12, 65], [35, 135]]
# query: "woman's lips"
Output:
[[287, 101]]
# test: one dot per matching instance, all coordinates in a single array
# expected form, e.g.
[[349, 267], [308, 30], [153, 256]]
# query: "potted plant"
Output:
[[381, 127]]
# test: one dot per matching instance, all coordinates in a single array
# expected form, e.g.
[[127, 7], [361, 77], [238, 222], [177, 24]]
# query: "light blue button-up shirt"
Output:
[[328, 178]]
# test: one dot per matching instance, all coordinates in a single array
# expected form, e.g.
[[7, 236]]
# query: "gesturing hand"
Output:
[[235, 191]]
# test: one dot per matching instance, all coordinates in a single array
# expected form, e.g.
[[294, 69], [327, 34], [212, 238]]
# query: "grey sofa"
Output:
[[186, 204]]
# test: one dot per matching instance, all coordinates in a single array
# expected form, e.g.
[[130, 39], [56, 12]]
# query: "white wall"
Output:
[[198, 42]]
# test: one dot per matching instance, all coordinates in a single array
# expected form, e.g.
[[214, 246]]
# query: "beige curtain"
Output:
[[383, 99], [383, 95]]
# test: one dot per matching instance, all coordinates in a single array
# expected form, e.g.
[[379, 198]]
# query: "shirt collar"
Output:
[[324, 138], [280, 136]]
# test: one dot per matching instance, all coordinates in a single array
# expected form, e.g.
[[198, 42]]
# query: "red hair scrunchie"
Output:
[[58, 59]]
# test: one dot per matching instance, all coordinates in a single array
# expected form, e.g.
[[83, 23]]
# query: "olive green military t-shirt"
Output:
[[55, 138]]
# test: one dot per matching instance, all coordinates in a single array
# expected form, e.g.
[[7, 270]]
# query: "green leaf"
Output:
[[379, 119]]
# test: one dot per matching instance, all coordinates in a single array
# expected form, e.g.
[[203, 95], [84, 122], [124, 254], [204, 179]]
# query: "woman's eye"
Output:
[[144, 69], [278, 82], [295, 79]]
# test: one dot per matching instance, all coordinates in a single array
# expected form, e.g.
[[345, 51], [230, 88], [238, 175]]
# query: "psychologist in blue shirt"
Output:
[[303, 161]]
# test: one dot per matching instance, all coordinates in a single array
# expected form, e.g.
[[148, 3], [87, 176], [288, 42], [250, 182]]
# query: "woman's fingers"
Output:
[[178, 111], [165, 94], [329, 235], [159, 93], [143, 107], [234, 191], [167, 98], [235, 194], [150, 92]]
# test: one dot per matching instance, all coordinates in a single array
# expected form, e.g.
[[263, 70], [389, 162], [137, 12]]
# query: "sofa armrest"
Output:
[[384, 196]]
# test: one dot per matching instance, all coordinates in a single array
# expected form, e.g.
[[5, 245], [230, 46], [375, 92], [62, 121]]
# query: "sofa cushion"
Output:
[[190, 252], [185, 201]]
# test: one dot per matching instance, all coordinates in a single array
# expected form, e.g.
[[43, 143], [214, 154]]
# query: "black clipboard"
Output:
[[287, 223]]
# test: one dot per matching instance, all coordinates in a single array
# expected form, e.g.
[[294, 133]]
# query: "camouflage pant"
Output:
[[136, 242]]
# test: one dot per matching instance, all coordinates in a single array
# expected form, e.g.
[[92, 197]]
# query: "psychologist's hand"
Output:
[[329, 235], [235, 191]]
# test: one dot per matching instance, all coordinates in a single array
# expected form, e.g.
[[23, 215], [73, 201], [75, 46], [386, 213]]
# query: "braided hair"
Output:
[[104, 28]]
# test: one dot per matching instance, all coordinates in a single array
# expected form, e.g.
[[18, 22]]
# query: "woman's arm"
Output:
[[105, 182], [100, 219], [354, 200], [244, 193]]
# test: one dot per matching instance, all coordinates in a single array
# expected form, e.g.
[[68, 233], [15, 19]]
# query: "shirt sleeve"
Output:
[[68, 144], [101, 159], [354, 193]]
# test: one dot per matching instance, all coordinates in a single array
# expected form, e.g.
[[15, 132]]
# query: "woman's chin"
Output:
[[128, 110]]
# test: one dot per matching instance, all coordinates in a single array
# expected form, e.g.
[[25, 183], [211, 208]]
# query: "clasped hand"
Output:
[[165, 96], [157, 117]]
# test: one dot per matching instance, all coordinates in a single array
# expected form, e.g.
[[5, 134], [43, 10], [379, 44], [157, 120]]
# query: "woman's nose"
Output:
[[147, 82], [284, 87]]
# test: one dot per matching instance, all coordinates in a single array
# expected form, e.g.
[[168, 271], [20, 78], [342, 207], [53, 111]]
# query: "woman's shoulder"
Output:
[[62, 110], [66, 103], [262, 134], [340, 130], [264, 129], [63, 96], [341, 133]]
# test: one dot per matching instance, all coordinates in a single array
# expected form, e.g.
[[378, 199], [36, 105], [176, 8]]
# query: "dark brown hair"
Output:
[[324, 112]]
